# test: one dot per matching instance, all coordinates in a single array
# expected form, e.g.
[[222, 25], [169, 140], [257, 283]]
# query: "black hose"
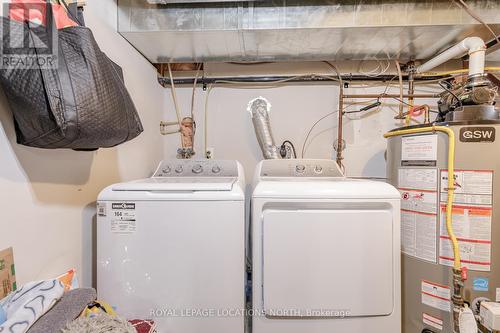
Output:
[[283, 146]]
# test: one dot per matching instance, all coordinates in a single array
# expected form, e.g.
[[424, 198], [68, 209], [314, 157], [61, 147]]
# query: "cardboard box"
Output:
[[7, 272]]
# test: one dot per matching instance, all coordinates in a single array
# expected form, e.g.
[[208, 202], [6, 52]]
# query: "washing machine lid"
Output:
[[178, 184]]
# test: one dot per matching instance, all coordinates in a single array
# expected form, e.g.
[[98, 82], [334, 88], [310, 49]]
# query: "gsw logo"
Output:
[[477, 134]]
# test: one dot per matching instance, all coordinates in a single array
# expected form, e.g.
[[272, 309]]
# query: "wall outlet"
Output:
[[210, 153]]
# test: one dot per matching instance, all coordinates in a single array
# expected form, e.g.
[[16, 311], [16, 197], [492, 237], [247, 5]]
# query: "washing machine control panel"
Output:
[[300, 168], [197, 168]]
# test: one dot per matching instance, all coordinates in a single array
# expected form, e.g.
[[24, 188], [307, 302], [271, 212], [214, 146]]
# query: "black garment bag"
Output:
[[64, 92]]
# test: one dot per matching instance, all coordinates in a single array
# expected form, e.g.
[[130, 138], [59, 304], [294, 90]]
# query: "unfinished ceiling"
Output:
[[300, 29]]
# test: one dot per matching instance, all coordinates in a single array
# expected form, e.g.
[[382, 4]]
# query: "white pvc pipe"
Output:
[[474, 46]]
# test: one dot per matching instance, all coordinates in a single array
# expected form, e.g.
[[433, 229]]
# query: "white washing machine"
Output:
[[325, 251], [172, 247]]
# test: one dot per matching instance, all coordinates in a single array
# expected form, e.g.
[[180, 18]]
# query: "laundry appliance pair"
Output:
[[323, 250]]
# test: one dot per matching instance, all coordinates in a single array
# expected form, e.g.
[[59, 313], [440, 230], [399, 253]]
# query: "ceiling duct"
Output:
[[166, 2], [289, 30]]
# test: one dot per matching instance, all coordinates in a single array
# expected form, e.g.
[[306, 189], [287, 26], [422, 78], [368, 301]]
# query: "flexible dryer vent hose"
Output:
[[259, 108]]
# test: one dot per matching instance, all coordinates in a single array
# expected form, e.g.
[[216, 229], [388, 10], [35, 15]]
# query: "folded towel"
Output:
[[66, 310]]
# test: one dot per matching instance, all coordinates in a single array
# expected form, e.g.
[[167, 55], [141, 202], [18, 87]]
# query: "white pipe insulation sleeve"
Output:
[[473, 46], [259, 108]]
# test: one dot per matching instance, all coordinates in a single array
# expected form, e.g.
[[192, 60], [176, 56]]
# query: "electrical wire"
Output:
[[312, 128], [205, 121], [475, 16], [174, 97], [377, 71], [194, 89], [288, 142], [400, 76]]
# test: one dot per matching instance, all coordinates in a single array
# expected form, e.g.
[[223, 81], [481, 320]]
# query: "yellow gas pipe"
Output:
[[451, 180]]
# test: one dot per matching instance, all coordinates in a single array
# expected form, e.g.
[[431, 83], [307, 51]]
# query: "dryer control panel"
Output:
[[197, 168], [307, 168]]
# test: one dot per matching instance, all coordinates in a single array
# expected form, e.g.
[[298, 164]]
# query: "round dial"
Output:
[[300, 168], [197, 169], [179, 169], [166, 169], [318, 169], [216, 169]]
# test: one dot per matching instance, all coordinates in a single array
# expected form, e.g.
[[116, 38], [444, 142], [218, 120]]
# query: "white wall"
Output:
[[294, 110], [47, 197]]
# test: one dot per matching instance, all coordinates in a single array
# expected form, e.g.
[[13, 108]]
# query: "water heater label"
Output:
[[477, 134], [419, 150], [421, 179], [432, 321], [472, 187], [472, 218], [419, 212], [436, 296]]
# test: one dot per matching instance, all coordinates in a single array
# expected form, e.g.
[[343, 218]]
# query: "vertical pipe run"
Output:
[[400, 78], [340, 134], [411, 91]]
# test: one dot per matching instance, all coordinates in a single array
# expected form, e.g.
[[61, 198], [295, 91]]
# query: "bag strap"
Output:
[[71, 13]]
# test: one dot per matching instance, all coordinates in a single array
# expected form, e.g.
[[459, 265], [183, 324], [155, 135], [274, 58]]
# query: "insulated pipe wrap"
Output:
[[259, 108]]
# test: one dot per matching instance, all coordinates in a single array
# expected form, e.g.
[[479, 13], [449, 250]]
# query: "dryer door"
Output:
[[328, 262]]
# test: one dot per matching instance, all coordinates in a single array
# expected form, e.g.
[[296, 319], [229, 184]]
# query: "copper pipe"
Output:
[[411, 91], [391, 96], [425, 109], [340, 134], [401, 92]]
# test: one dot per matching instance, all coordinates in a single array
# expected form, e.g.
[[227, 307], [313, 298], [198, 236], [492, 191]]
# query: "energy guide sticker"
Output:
[[123, 218]]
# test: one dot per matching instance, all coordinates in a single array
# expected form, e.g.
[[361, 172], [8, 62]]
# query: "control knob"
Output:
[[197, 169], [300, 168], [216, 169]]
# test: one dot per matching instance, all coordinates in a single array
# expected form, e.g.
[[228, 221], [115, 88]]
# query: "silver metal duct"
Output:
[[165, 2], [259, 109], [281, 30]]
